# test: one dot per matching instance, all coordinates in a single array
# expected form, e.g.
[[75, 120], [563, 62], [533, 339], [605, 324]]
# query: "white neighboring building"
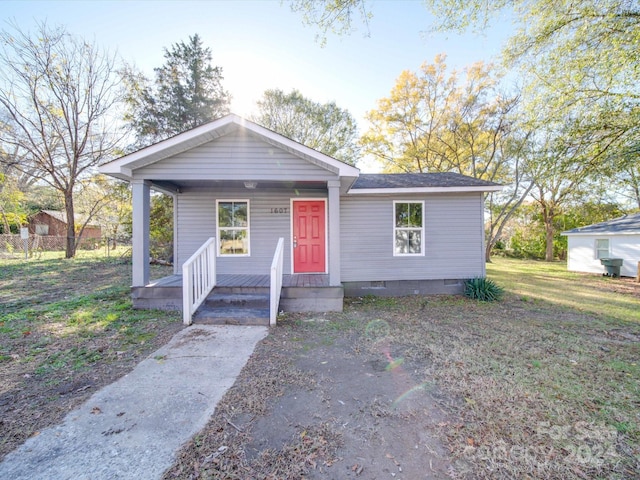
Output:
[[617, 238]]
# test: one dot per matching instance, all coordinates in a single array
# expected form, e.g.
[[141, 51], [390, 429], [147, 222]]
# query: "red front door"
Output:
[[309, 236]]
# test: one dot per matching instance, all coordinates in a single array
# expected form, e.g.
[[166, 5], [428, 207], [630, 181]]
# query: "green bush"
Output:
[[480, 288]]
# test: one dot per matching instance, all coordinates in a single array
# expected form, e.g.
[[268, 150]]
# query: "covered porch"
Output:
[[239, 191], [259, 281], [300, 292]]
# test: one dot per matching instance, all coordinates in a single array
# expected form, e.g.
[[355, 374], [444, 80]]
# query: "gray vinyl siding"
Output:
[[453, 239], [197, 222], [234, 157]]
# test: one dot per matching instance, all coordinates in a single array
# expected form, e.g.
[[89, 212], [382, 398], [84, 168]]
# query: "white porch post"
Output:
[[141, 198], [334, 232]]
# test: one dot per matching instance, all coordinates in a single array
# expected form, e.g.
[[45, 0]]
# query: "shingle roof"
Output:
[[417, 180], [626, 224]]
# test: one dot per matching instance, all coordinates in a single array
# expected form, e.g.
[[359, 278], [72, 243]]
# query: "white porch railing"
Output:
[[198, 278], [276, 282]]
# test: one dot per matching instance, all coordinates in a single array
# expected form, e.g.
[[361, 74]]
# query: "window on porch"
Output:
[[233, 227]]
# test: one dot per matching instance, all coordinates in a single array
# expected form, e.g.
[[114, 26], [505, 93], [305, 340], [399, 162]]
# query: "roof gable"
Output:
[[124, 167], [627, 224]]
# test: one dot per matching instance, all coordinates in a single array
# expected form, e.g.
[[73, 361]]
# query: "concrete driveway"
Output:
[[132, 428]]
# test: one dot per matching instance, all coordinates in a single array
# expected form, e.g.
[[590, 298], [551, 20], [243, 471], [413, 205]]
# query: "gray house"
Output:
[[617, 238], [255, 210]]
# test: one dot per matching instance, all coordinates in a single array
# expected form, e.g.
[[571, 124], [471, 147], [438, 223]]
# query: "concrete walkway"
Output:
[[132, 428]]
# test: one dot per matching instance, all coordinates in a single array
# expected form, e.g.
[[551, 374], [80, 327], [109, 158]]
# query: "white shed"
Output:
[[617, 238]]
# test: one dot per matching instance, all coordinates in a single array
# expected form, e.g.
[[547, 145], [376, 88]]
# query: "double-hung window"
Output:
[[233, 227], [408, 228], [602, 248]]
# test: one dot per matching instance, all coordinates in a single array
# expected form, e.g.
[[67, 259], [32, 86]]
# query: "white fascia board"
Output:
[[380, 191]]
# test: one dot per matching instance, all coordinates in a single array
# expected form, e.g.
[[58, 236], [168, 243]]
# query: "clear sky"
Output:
[[261, 44]]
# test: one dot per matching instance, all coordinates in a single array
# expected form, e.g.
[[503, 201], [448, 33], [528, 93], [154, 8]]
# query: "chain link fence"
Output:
[[15, 244]]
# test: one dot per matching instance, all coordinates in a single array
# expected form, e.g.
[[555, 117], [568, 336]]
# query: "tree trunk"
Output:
[[70, 249], [114, 243], [548, 256], [549, 231]]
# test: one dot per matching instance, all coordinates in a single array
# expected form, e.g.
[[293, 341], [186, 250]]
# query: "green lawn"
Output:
[[551, 284]]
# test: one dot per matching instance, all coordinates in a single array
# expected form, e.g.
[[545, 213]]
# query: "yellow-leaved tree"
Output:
[[435, 120]]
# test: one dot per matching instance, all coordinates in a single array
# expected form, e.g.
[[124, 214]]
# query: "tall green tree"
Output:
[[322, 126], [59, 97], [567, 163], [582, 53], [187, 92], [628, 173]]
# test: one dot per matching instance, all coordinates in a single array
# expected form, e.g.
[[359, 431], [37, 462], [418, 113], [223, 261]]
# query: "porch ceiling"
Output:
[[182, 185]]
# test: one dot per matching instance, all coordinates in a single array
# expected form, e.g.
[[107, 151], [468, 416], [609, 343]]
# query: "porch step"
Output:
[[235, 306], [231, 316], [244, 300], [240, 290]]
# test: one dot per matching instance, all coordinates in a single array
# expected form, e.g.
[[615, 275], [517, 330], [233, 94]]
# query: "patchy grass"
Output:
[[547, 382], [544, 384], [531, 392], [67, 328]]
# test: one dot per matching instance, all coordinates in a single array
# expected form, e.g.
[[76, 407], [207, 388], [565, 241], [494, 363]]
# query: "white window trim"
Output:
[[248, 228], [421, 230], [596, 249]]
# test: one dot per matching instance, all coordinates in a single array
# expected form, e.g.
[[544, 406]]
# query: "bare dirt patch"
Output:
[[322, 400]]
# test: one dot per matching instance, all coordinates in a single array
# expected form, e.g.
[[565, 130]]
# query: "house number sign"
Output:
[[280, 210]]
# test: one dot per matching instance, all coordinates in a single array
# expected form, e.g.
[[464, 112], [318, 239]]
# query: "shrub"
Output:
[[480, 288]]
